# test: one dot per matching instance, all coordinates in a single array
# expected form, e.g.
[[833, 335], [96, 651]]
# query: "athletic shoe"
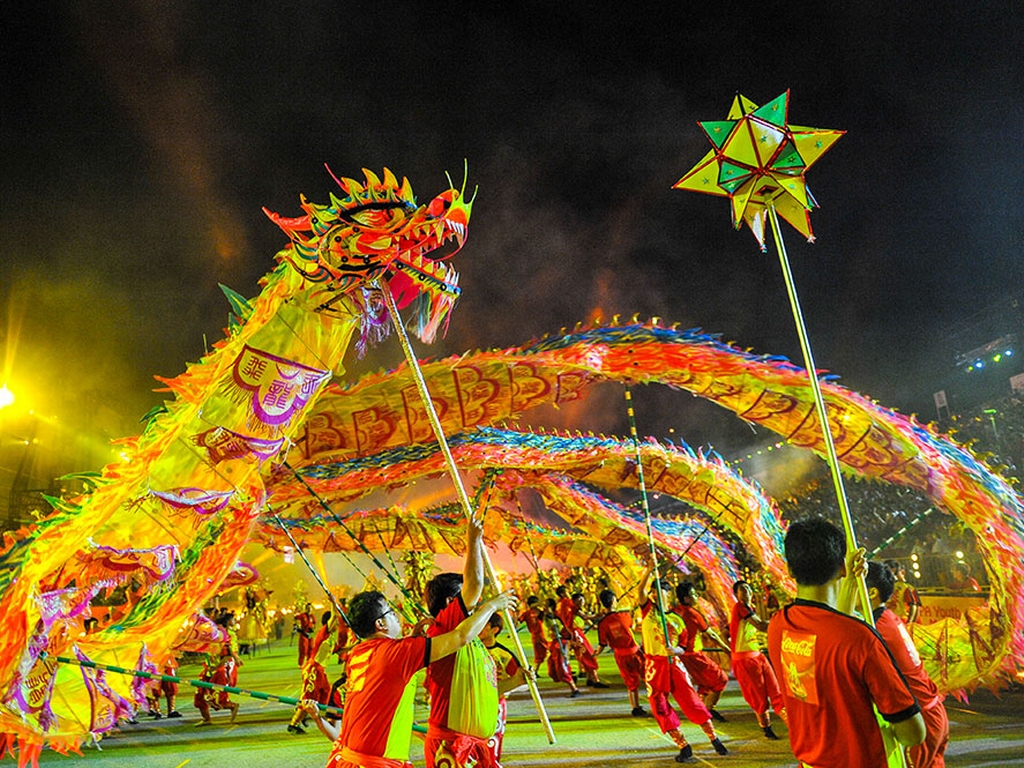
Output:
[[574, 694], [639, 712], [686, 755], [717, 716], [296, 729], [719, 746], [769, 733], [175, 713], [598, 684]]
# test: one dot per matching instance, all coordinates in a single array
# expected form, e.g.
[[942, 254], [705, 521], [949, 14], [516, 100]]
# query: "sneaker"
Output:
[[574, 694], [175, 713], [597, 684], [296, 729], [156, 715], [719, 746], [717, 716], [769, 733], [686, 755], [639, 712]]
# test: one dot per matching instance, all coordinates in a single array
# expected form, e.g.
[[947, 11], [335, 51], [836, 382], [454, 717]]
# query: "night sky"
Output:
[[139, 141]]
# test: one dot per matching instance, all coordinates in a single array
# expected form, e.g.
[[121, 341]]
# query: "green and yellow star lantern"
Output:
[[758, 160]]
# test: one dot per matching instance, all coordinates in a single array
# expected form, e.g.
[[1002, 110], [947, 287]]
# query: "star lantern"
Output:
[[759, 160]]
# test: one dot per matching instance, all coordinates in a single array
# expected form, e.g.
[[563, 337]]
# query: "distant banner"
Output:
[[938, 607]]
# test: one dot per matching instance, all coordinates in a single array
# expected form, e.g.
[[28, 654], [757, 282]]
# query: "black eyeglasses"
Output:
[[389, 610]]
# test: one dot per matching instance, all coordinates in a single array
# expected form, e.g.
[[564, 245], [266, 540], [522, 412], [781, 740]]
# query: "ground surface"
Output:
[[594, 729]]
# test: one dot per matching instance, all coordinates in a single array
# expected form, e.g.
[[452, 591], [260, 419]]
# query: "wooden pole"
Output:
[[460, 490], [893, 749]]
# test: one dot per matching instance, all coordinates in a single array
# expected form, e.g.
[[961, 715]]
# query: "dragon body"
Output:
[[356, 425]]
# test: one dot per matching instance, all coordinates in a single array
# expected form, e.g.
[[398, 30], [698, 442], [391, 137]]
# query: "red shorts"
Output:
[[707, 676], [665, 678], [631, 667]]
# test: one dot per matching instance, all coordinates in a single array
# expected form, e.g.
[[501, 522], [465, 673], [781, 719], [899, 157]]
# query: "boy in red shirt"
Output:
[[835, 669], [615, 631], [666, 678], [753, 672], [709, 678], [376, 728], [931, 752]]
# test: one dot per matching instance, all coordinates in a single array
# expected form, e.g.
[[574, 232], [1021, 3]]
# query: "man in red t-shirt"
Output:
[[931, 752], [533, 617], [708, 677], [834, 669], [305, 623], [376, 728], [757, 680], [615, 631], [569, 611]]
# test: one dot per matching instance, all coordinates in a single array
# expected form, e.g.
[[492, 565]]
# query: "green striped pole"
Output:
[[288, 700]]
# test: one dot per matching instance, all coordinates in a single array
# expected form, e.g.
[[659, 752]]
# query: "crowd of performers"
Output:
[[814, 664]]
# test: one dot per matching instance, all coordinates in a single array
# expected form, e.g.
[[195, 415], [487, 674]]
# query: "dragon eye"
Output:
[[439, 205]]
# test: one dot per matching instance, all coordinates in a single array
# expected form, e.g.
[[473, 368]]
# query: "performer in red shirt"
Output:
[[835, 670], [533, 616], [376, 728], [305, 623], [931, 752], [665, 677], [315, 685], [615, 631], [753, 672], [962, 579], [569, 612], [226, 673], [904, 602], [709, 678], [558, 655]]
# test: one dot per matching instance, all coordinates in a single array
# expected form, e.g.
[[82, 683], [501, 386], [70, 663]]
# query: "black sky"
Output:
[[139, 141]]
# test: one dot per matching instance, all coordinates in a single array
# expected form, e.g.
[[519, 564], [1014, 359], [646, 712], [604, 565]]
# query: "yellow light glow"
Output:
[[6, 396], [959, 555]]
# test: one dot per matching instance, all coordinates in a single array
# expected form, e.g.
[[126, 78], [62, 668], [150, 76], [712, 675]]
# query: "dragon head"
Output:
[[377, 233]]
